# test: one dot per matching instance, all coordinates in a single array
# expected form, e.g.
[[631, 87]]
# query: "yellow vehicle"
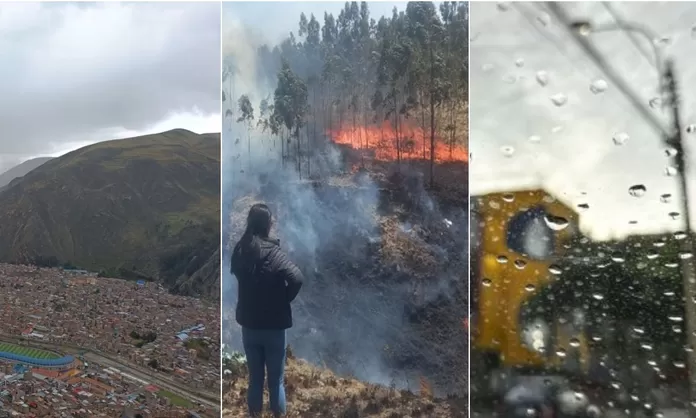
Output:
[[517, 240]]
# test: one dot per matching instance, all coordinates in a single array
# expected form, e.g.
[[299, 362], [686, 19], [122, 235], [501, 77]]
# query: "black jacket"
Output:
[[265, 292]]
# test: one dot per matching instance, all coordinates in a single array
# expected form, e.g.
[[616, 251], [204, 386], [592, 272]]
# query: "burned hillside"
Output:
[[317, 392], [385, 264], [354, 134]]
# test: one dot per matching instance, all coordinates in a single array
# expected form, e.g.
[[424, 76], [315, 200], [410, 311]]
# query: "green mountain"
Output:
[[21, 170], [139, 208]]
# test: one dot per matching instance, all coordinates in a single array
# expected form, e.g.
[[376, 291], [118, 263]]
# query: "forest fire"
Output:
[[380, 143]]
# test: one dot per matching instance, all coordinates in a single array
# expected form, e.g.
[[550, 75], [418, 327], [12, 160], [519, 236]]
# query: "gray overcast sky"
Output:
[[519, 136], [275, 20], [74, 74]]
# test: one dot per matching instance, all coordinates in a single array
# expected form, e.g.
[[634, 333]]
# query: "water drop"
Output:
[[691, 129], [520, 264], [685, 255], [598, 86], [620, 138], [559, 99], [655, 102], [671, 171], [508, 197], [637, 191], [502, 259], [530, 287], [666, 198], [519, 62], [598, 296], [556, 223], [583, 206], [544, 19], [670, 152], [507, 150], [555, 269], [674, 215], [486, 282], [574, 342], [503, 7], [542, 77]]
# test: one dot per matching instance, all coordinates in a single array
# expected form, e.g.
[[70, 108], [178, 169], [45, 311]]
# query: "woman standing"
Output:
[[268, 283]]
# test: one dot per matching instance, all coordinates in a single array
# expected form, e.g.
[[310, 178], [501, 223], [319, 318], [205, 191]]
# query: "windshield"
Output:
[[592, 103]]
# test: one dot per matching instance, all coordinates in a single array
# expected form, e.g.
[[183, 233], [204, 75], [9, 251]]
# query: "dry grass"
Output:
[[312, 392], [404, 248]]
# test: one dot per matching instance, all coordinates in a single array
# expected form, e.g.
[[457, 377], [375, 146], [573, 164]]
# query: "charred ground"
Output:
[[386, 291], [317, 392]]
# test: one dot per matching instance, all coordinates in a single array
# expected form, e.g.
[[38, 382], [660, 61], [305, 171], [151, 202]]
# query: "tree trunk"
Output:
[[298, 147], [432, 119]]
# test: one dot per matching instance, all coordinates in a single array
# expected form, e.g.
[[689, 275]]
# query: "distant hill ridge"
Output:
[[21, 170], [144, 207]]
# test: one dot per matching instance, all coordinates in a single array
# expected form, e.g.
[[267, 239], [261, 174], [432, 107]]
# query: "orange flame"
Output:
[[380, 141]]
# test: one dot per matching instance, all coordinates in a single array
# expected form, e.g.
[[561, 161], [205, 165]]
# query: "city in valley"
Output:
[[76, 345]]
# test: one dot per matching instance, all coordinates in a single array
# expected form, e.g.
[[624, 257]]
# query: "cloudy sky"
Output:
[[274, 20], [543, 114], [78, 73]]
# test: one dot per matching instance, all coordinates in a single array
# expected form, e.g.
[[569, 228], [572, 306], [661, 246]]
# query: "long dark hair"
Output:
[[248, 249]]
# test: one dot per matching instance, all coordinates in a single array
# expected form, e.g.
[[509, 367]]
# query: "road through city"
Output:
[[207, 398]]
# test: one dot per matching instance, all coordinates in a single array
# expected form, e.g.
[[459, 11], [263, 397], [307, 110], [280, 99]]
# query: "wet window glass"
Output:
[[582, 123]]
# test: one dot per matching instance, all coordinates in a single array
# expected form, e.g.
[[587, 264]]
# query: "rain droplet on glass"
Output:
[[665, 198], [544, 19], [520, 264], [670, 171], [542, 77], [637, 191], [691, 128], [559, 99], [503, 7], [507, 150], [519, 62], [598, 86], [556, 223], [583, 207], [620, 138]]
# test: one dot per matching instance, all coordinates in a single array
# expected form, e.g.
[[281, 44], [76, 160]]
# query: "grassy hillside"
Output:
[[145, 207], [317, 392], [21, 170]]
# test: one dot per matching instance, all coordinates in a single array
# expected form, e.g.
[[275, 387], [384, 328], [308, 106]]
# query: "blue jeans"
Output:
[[265, 349]]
